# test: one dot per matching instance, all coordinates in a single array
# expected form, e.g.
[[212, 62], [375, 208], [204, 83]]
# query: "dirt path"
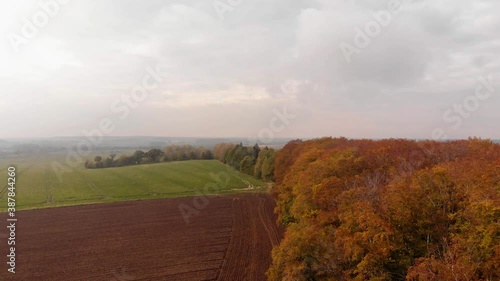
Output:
[[231, 239]]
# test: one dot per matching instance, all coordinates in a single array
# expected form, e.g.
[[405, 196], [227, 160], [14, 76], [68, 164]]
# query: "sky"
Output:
[[250, 68]]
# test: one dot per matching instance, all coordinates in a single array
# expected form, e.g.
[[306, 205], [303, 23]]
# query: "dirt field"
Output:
[[231, 239]]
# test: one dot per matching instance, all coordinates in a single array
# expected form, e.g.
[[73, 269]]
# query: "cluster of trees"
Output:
[[155, 155], [186, 152], [388, 210], [253, 161]]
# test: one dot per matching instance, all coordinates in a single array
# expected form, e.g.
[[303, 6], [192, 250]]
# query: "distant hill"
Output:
[[55, 144]]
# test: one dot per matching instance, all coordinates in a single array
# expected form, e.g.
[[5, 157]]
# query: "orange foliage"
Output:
[[388, 210]]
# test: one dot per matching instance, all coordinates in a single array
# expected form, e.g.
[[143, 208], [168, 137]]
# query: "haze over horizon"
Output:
[[236, 70]]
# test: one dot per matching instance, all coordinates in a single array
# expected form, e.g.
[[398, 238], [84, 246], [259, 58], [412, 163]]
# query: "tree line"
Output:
[[155, 155], [250, 160], [388, 210]]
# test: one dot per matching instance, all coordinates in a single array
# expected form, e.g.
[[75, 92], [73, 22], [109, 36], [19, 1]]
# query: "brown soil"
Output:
[[230, 239]]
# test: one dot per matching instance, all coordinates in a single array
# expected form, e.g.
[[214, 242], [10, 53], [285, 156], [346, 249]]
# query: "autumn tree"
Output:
[[221, 150], [388, 210], [264, 166]]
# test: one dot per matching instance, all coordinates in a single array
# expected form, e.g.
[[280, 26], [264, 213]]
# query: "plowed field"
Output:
[[230, 239]]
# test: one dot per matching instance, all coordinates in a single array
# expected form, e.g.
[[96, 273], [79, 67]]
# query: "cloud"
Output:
[[236, 94], [261, 56]]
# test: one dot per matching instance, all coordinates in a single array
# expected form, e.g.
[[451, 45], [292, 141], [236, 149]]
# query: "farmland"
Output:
[[231, 239], [38, 185]]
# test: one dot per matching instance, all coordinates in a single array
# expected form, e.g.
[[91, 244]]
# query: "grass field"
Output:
[[39, 187]]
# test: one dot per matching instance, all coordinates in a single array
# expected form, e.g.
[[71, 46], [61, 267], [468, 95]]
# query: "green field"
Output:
[[39, 187]]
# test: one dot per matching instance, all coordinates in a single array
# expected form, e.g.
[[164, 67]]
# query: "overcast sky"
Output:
[[228, 66]]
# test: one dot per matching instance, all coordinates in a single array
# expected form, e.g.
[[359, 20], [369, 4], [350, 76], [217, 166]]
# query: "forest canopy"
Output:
[[388, 210]]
